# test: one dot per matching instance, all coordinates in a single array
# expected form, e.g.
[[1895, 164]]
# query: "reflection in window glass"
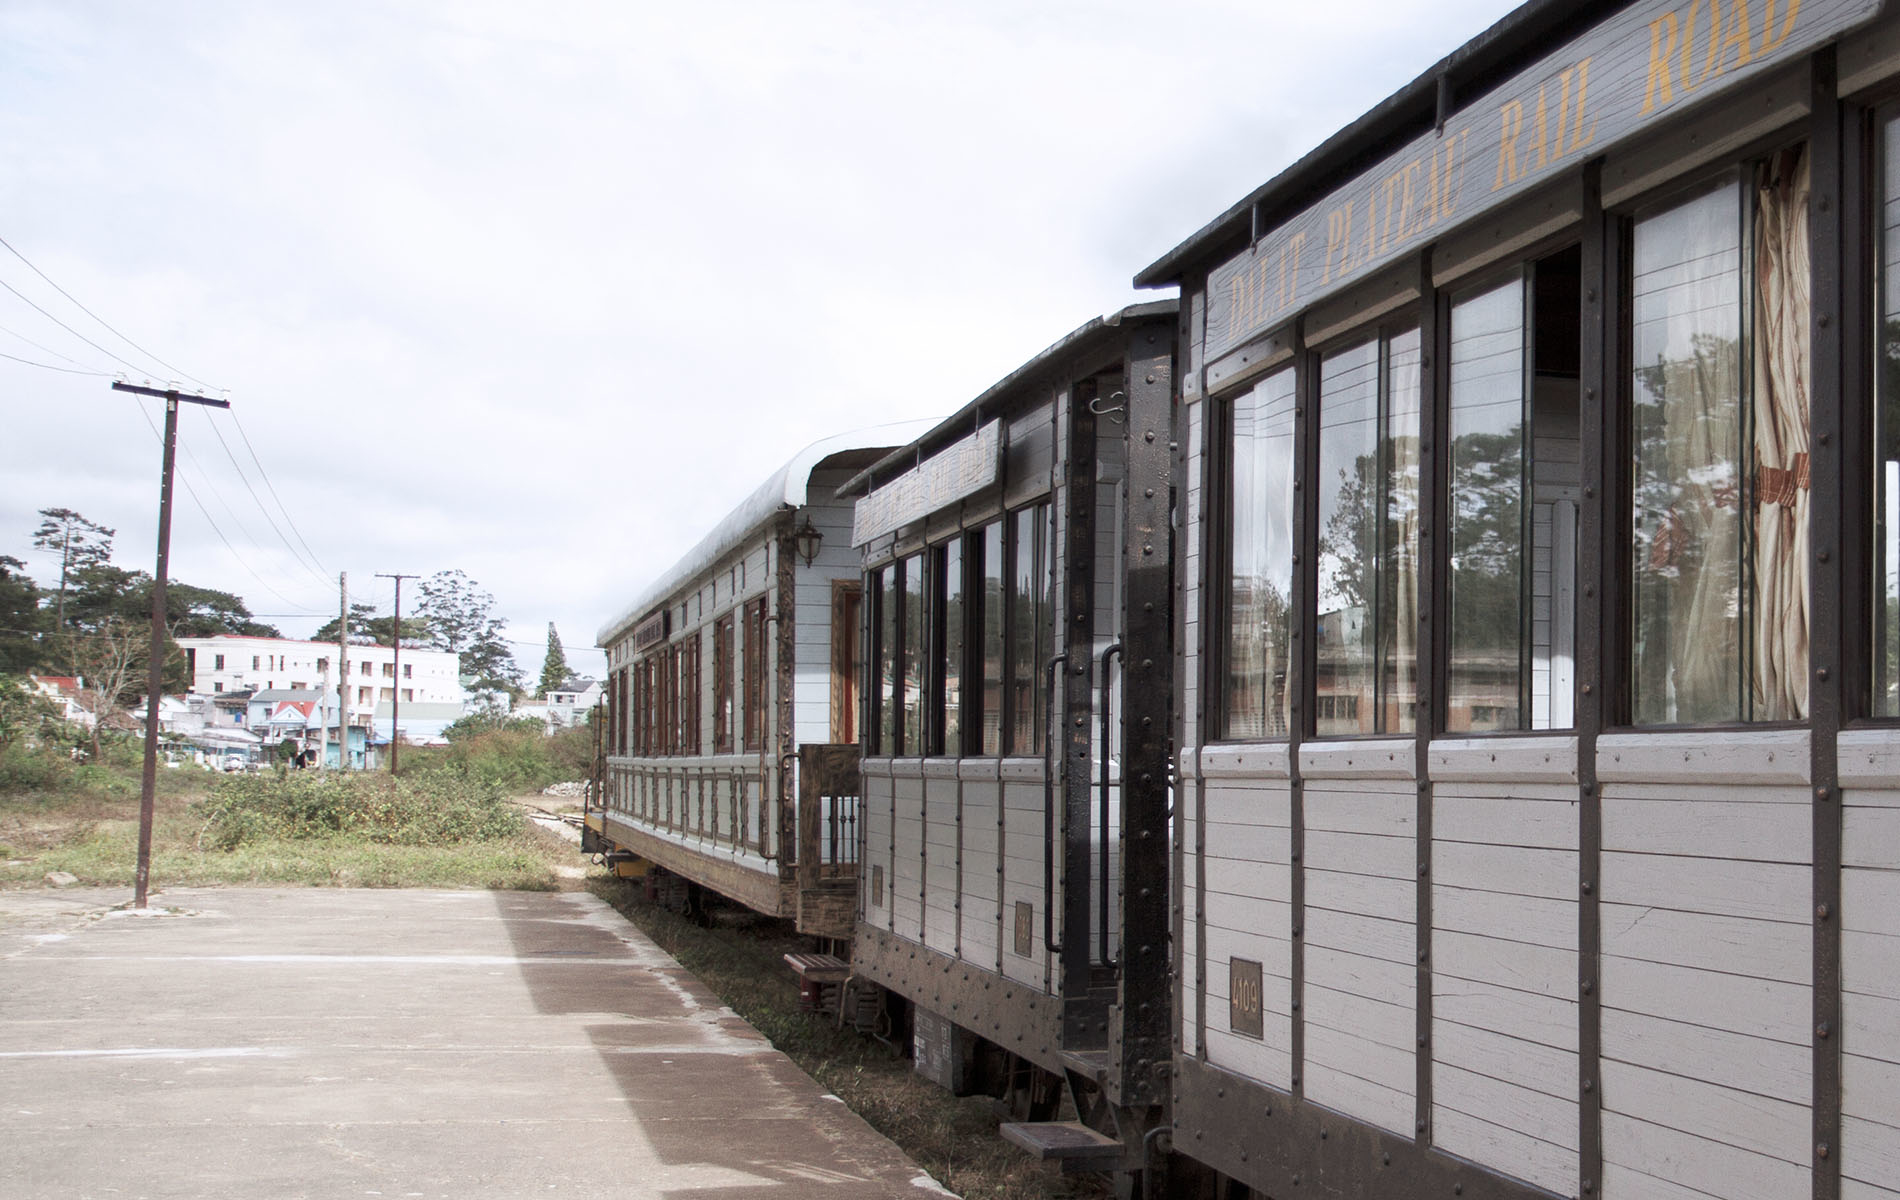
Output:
[[1485, 683], [1886, 566], [1260, 515], [912, 653], [1367, 613], [884, 692], [988, 545], [1028, 627], [949, 682], [1720, 454]]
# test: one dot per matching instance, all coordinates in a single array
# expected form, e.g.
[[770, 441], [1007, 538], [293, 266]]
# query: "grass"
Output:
[[305, 829], [954, 1138]]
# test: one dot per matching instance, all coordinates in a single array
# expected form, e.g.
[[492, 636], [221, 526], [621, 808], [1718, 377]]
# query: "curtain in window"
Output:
[[1781, 437]]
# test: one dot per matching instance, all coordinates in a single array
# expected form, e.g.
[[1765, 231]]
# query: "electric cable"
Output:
[[305, 563], [95, 316]]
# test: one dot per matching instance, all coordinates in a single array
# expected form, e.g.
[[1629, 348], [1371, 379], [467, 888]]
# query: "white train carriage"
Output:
[[730, 757], [1539, 826], [1017, 608]]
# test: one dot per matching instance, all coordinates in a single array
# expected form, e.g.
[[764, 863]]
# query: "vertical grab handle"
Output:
[[1049, 816], [1112, 651]]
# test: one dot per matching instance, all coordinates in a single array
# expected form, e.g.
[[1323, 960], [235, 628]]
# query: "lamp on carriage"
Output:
[[806, 539]]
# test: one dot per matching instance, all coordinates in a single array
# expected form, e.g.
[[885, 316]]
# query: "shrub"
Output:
[[430, 807]]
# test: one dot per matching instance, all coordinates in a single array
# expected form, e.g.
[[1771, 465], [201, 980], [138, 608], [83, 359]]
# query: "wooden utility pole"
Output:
[[395, 687], [343, 671], [155, 675]]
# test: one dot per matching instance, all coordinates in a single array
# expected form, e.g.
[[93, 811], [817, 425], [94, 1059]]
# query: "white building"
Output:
[[235, 663]]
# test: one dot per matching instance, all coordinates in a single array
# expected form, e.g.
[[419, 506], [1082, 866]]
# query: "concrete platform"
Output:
[[327, 1043]]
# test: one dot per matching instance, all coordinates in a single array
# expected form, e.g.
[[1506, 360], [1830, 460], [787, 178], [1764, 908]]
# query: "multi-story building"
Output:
[[235, 663]]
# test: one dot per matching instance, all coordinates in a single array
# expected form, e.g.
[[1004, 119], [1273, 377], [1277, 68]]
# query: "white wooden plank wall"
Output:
[[878, 805], [1361, 817], [1191, 953], [981, 916], [1557, 476], [905, 880], [811, 633], [1248, 903], [1023, 823], [940, 856], [1870, 965], [1504, 975], [1706, 965]]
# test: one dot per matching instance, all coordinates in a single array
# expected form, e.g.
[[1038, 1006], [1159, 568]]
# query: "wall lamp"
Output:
[[806, 540]]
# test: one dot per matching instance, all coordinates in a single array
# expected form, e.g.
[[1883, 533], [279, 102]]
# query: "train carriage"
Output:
[[1015, 742], [730, 736], [1539, 817]]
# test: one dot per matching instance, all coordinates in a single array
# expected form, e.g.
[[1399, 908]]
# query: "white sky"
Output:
[[540, 291]]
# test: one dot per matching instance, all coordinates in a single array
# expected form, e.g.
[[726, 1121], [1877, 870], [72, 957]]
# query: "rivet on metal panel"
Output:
[[1821, 1031], [1821, 793], [1385, 1160], [1296, 1006], [1821, 319], [1821, 1150], [1421, 1040], [1821, 911], [1821, 674], [1589, 1085], [1149, 436], [1322, 1133], [1588, 987], [1821, 555], [1424, 868], [1421, 1127], [1586, 689], [1588, 887]]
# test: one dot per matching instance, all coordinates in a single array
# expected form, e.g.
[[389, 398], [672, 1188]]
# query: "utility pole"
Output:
[[343, 671], [395, 687], [155, 675]]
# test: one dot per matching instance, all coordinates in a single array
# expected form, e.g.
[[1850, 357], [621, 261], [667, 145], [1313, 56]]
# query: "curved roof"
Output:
[[785, 489]]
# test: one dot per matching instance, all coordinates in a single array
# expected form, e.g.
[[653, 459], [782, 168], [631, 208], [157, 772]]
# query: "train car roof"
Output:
[[972, 414], [784, 490], [1466, 73]]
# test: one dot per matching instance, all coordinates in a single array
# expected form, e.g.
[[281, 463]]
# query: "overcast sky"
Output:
[[540, 291]]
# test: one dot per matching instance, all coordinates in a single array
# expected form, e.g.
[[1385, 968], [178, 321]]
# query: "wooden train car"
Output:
[[1015, 738], [730, 758], [1539, 818]]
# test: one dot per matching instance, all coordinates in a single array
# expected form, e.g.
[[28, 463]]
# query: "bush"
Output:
[[518, 756], [431, 807]]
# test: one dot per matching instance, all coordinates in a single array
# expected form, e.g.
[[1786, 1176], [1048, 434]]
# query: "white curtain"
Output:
[[1781, 438]]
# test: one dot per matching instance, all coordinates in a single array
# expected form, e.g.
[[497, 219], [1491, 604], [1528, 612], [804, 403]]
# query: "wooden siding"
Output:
[[1246, 895], [1023, 842], [1707, 1071], [905, 882], [940, 855], [1870, 965], [1361, 928], [1504, 957]]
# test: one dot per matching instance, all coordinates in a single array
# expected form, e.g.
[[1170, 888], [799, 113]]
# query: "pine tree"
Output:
[[554, 670]]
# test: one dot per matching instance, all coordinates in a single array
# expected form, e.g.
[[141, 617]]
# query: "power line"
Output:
[[291, 521], [69, 329], [193, 493], [48, 349], [50, 367], [261, 507], [95, 316]]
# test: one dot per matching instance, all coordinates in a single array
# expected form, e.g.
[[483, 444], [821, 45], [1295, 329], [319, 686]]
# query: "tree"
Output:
[[78, 542], [554, 670], [108, 659], [367, 627], [22, 626], [461, 619]]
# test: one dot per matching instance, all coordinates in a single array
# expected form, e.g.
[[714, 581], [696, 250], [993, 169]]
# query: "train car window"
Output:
[[1885, 575], [1260, 558], [948, 641], [752, 665], [884, 660], [986, 548], [1513, 482], [1720, 503], [1028, 622], [722, 685], [912, 650], [1367, 616]]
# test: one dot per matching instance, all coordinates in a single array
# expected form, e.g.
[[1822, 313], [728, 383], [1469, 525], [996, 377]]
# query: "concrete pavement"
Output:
[[335, 1043]]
